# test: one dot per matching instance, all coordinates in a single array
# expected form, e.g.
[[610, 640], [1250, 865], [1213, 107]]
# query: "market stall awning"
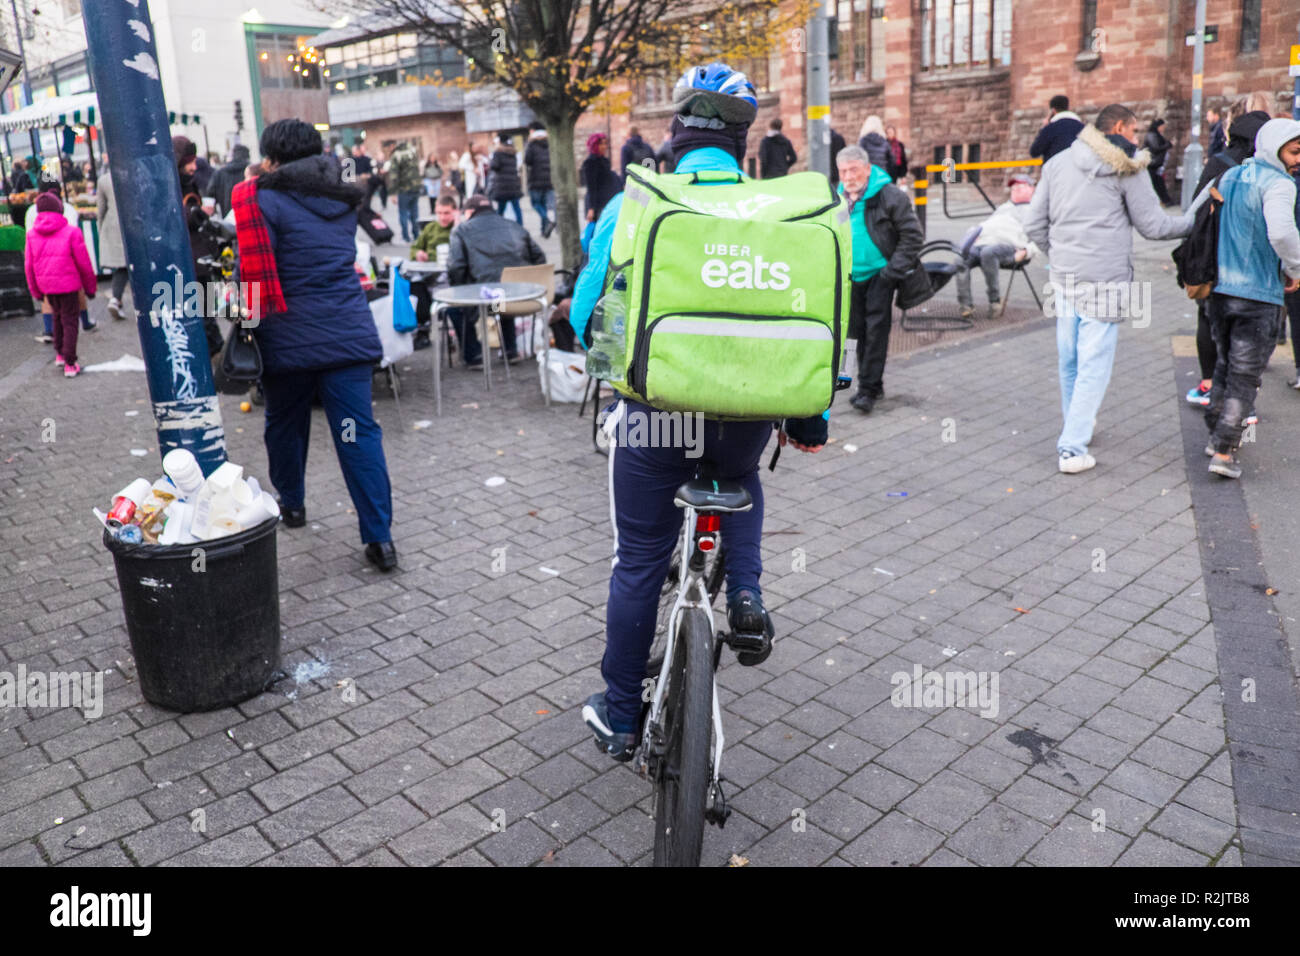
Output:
[[74, 109]]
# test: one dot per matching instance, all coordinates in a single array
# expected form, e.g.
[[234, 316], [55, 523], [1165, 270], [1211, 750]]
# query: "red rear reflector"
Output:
[[708, 523], [706, 544]]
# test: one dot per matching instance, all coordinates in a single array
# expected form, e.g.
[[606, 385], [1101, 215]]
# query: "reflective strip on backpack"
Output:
[[744, 330], [637, 195]]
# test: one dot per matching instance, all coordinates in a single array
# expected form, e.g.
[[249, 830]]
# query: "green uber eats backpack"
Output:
[[737, 292]]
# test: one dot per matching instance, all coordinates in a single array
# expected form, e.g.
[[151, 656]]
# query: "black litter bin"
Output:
[[204, 628]]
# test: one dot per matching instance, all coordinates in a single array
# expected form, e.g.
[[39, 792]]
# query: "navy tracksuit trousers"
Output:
[[358, 440], [647, 525]]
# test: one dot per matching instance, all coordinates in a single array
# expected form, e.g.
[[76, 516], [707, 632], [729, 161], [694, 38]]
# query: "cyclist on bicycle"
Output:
[[715, 106]]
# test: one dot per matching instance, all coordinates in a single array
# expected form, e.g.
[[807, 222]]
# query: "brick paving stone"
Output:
[[997, 836], [235, 849], [894, 840], [372, 826], [299, 781], [921, 754], [1074, 842], [520, 844], [306, 817], [946, 802], [1151, 850], [1192, 829], [444, 836], [1124, 813]]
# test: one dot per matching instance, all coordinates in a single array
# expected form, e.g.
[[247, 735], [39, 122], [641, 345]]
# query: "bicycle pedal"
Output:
[[743, 641]]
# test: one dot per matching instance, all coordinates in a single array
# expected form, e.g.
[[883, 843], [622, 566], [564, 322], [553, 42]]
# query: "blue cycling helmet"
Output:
[[714, 96]]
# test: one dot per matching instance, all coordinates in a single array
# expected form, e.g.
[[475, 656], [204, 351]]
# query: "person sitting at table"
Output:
[[481, 247], [424, 248]]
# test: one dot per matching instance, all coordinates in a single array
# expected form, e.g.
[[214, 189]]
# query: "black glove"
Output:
[[807, 431]]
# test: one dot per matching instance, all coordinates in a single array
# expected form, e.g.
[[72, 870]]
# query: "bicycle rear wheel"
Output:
[[685, 768], [668, 596]]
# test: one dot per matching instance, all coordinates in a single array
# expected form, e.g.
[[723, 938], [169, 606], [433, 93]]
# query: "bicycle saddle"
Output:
[[706, 494]]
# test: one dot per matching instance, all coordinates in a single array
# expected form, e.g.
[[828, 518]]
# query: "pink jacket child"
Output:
[[58, 266]]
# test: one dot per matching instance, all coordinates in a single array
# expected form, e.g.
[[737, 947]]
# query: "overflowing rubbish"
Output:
[[183, 507]]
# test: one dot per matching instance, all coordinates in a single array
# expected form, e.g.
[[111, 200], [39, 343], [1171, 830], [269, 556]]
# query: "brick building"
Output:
[[971, 78]]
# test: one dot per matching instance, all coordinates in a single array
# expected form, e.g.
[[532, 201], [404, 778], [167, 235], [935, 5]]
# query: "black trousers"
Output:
[[871, 317], [1245, 334], [1293, 310]]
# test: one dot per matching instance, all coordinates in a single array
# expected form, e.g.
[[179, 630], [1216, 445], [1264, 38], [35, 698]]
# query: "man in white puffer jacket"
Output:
[[1087, 204]]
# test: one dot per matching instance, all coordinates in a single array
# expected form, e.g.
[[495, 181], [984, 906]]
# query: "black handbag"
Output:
[[241, 362]]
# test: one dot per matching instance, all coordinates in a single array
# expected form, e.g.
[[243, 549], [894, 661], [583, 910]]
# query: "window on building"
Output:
[[1089, 24], [965, 34], [1249, 26], [861, 40], [375, 62], [285, 62], [877, 39]]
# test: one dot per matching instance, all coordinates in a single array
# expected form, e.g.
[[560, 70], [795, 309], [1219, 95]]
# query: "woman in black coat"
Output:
[[1158, 147], [504, 187], [602, 183]]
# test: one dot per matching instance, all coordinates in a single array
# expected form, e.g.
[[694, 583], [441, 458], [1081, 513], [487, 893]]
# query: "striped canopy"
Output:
[[74, 109]]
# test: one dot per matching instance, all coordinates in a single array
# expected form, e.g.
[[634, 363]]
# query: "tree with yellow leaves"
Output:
[[561, 56]]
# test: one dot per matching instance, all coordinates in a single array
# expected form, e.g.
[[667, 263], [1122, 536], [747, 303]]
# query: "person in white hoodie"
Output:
[[1002, 241], [1258, 261]]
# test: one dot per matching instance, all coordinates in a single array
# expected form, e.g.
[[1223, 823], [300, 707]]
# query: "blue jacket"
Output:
[[1056, 136], [591, 283], [313, 230], [1259, 198]]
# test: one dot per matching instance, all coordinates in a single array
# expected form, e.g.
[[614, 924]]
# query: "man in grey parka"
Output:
[[1088, 201]]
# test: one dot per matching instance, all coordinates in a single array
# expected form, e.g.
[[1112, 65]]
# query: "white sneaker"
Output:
[[1073, 464]]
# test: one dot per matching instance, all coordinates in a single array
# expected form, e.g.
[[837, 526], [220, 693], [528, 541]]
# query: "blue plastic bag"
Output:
[[403, 309]]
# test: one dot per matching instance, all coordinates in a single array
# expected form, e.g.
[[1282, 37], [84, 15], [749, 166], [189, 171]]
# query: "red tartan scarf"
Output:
[[256, 257]]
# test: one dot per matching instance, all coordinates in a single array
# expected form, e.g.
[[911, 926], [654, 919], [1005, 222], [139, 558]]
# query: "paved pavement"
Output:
[[1086, 597]]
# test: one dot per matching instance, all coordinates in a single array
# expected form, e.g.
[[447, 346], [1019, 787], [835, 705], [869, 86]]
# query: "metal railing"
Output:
[[920, 187]]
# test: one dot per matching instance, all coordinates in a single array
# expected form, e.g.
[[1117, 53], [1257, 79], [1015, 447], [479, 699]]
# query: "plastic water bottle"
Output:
[[607, 356]]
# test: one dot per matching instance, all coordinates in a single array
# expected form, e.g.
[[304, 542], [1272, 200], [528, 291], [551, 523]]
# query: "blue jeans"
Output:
[[1085, 348], [543, 201], [408, 214], [358, 440], [642, 481], [514, 203]]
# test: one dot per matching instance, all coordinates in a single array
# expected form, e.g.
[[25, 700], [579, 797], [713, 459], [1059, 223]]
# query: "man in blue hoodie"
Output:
[[1259, 261], [715, 106]]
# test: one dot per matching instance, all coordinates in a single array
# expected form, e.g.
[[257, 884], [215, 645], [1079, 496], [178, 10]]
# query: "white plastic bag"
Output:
[[397, 345], [567, 373]]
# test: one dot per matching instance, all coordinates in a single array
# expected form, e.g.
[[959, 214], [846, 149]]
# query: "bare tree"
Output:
[[560, 55]]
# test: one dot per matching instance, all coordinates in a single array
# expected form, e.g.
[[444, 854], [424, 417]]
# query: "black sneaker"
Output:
[[382, 555], [751, 628], [863, 403], [594, 715], [294, 517], [547, 228], [421, 341]]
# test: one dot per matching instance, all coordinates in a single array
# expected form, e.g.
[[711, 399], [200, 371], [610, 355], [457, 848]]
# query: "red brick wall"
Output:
[[1145, 64]]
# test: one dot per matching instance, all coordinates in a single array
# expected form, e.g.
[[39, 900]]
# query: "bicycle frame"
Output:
[[691, 594]]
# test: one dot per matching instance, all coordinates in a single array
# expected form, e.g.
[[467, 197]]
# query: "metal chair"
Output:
[[946, 261], [1018, 268], [544, 276]]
